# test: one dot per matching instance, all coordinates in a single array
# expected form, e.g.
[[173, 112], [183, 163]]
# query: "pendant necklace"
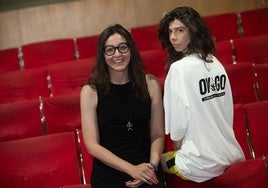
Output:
[[129, 126]]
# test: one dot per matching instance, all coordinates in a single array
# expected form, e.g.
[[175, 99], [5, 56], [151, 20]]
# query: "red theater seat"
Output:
[[242, 82], [146, 37], [87, 46], [20, 120], [257, 118], [62, 113], [9, 60], [23, 85], [220, 31], [45, 161], [254, 49], [224, 52], [48, 52], [262, 79], [254, 22], [68, 77], [87, 158]]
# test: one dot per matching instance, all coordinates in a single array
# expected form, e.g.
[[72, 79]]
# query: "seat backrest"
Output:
[[87, 158], [219, 30], [20, 120], [154, 61], [48, 52], [242, 82], [62, 113], [254, 22], [45, 161], [9, 60], [254, 49], [225, 52], [87, 46], [146, 37], [262, 79], [257, 119], [68, 77], [23, 85]]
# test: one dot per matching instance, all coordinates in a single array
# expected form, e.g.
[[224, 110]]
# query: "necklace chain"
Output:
[[129, 125]]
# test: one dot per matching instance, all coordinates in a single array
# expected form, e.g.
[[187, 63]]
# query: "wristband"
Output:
[[155, 165]]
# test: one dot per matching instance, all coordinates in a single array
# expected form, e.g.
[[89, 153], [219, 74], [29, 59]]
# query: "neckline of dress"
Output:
[[127, 83]]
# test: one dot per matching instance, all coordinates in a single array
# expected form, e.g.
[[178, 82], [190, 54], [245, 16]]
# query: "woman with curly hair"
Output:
[[197, 100]]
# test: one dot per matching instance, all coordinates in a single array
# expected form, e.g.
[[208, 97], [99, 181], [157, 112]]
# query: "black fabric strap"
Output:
[[171, 162]]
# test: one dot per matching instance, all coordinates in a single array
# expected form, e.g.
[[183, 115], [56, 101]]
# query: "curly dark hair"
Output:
[[201, 39], [100, 76]]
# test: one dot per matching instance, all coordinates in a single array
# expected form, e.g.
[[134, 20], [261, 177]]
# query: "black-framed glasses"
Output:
[[110, 50]]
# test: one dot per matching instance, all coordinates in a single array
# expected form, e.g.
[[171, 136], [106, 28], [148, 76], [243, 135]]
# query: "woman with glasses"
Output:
[[122, 116]]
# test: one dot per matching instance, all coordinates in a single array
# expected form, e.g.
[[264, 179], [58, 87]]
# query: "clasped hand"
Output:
[[142, 173]]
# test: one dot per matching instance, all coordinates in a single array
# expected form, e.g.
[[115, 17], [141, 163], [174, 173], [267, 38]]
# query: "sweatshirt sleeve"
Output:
[[175, 110]]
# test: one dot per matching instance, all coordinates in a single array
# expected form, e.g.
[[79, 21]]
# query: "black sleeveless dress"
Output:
[[130, 142]]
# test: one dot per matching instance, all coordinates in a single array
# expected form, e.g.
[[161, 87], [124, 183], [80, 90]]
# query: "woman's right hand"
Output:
[[144, 172]]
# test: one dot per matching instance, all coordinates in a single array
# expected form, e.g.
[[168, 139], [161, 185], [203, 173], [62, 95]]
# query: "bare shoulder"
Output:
[[87, 89], [152, 81], [88, 93]]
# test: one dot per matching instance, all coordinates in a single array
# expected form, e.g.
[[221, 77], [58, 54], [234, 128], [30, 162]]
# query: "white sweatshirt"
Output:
[[199, 111]]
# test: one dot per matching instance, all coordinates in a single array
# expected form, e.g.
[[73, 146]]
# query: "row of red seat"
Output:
[[253, 49], [59, 157], [31, 118], [42, 54], [47, 52], [249, 83], [52, 80]]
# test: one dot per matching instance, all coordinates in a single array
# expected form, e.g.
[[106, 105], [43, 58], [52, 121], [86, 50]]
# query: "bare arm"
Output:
[[157, 119]]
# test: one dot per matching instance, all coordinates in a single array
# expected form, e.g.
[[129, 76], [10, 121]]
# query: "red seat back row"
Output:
[[53, 80], [23, 85], [254, 22], [249, 82], [39, 117], [44, 53], [253, 48], [219, 30]]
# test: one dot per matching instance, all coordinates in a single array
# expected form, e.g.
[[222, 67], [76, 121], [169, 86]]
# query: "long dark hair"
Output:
[[100, 76], [201, 40]]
